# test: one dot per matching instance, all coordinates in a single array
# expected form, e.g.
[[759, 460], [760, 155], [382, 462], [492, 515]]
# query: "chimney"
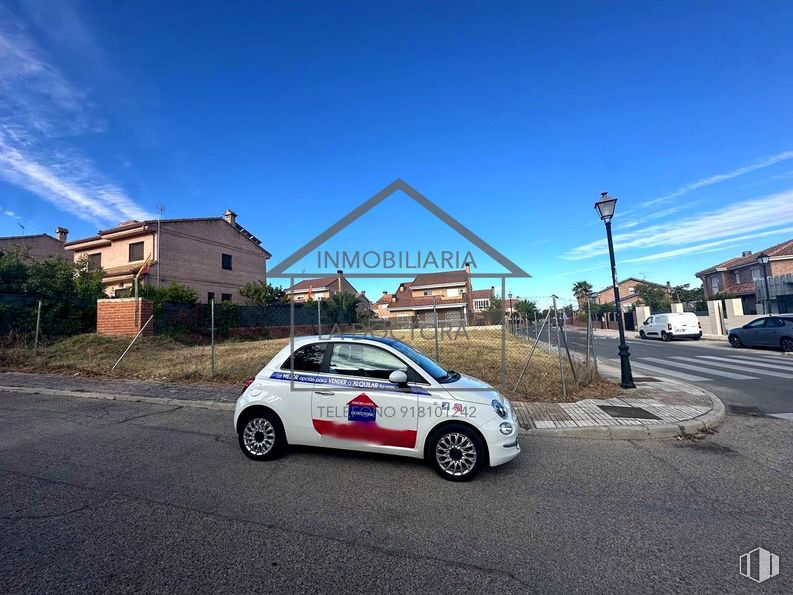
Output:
[[746, 253], [340, 274], [467, 268], [61, 233], [230, 216], [385, 292]]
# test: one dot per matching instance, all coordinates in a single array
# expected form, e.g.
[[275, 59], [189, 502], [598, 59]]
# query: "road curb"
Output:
[[54, 392]]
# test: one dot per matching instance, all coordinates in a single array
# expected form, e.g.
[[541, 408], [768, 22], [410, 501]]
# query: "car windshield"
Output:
[[428, 365]]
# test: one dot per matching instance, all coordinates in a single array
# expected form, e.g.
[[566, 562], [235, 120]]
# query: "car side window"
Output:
[[307, 359], [775, 322], [649, 320], [760, 322], [355, 359]]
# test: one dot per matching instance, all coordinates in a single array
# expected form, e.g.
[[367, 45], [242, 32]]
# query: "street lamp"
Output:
[[605, 208], [764, 259]]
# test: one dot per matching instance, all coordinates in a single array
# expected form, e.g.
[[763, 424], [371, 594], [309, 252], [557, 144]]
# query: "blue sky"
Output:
[[511, 117]]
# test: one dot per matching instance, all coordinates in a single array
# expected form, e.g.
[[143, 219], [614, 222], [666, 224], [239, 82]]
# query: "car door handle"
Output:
[[325, 393]]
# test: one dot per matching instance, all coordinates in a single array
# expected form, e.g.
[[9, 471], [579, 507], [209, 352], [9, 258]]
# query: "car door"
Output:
[[354, 405], [647, 325], [772, 331], [751, 333]]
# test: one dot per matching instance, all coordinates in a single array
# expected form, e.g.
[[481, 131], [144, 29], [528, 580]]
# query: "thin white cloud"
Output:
[[709, 246], [766, 162], [39, 110], [747, 217]]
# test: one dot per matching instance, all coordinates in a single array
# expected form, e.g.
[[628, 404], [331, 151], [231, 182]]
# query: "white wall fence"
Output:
[[722, 316]]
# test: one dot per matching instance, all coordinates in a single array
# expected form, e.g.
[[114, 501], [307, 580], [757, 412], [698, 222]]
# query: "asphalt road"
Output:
[[745, 377], [118, 496]]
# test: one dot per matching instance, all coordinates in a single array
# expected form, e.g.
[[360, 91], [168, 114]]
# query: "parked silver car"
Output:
[[768, 331]]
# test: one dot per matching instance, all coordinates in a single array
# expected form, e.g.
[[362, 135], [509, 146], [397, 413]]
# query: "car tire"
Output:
[[642, 335], [735, 341], [786, 344], [261, 435], [697, 338], [665, 336], [456, 452]]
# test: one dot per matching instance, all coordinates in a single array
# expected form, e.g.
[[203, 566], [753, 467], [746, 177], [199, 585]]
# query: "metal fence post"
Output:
[[38, 326], [319, 317], [435, 316], [212, 335]]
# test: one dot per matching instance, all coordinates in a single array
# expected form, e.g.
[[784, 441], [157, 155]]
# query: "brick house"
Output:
[[324, 288], [737, 277], [448, 293], [215, 256], [481, 298], [39, 246], [628, 295]]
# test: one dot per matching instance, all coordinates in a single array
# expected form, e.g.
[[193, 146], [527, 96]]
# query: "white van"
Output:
[[671, 326]]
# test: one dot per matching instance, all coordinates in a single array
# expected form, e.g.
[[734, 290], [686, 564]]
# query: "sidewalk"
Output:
[[678, 407]]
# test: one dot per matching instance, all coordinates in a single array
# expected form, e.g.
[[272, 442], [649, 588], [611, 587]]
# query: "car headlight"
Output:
[[505, 428], [500, 409]]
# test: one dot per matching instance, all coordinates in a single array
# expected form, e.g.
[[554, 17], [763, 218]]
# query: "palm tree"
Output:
[[581, 291], [343, 307]]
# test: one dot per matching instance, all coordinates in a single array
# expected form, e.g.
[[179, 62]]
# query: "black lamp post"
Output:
[[605, 208], [764, 259]]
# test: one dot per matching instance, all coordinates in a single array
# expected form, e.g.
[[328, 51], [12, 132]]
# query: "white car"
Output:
[[375, 395], [676, 325]]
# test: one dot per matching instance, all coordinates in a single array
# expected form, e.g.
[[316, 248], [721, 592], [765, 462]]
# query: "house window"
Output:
[[95, 261], [737, 277], [225, 297], [453, 292], [210, 297], [714, 284], [631, 290], [225, 261], [482, 304], [426, 292], [756, 274], [136, 251], [123, 292]]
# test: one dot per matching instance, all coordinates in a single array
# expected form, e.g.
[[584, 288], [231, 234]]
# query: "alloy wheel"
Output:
[[456, 454], [259, 436], [787, 344]]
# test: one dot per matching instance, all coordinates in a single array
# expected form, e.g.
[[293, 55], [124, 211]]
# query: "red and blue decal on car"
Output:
[[362, 426], [362, 408]]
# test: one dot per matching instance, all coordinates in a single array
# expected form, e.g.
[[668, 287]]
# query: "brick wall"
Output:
[[780, 267], [117, 316]]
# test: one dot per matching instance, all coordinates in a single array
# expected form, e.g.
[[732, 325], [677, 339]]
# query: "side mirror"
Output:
[[398, 377]]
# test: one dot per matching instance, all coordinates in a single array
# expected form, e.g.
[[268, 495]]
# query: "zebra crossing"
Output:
[[704, 368]]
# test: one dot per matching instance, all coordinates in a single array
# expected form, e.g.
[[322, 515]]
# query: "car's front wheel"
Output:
[[787, 344], [642, 335], [665, 336], [261, 435], [456, 452], [735, 341]]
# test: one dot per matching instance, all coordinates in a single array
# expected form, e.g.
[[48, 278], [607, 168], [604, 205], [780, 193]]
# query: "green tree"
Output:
[[88, 281], [526, 308], [260, 293], [342, 307], [581, 291], [654, 297]]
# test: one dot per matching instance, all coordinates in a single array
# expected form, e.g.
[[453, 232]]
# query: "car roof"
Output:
[[347, 337]]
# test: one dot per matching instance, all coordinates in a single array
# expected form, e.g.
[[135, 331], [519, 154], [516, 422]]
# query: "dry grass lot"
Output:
[[475, 352]]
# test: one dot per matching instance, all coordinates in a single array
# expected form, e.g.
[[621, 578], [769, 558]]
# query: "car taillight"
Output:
[[699, 324], [248, 382], [669, 326]]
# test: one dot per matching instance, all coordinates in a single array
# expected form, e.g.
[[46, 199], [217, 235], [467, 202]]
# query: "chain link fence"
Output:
[[191, 343]]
